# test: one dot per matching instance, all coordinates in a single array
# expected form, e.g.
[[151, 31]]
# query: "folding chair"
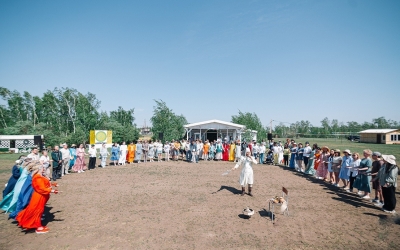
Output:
[[271, 207]]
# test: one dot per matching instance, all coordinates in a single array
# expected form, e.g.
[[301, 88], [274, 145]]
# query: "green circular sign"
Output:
[[101, 136]]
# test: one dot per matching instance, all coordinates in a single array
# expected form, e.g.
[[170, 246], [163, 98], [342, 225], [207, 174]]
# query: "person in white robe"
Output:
[[246, 176], [238, 151], [280, 153], [123, 149]]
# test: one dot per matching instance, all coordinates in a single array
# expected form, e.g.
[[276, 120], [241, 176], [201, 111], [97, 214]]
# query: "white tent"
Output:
[[213, 129]]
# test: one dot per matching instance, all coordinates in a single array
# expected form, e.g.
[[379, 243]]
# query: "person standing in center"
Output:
[[92, 157], [246, 176]]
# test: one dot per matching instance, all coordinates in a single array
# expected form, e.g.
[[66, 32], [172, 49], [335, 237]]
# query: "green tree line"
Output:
[[62, 115], [331, 127]]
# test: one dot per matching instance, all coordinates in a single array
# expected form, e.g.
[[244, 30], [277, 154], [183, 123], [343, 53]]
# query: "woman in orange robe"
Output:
[[232, 151], [206, 148], [31, 216], [131, 153], [316, 157]]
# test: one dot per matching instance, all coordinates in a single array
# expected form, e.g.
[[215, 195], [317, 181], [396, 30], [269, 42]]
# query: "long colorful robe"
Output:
[[232, 152], [80, 160], [9, 203], [115, 153], [16, 173], [72, 151], [225, 154], [130, 157], [31, 216], [24, 197]]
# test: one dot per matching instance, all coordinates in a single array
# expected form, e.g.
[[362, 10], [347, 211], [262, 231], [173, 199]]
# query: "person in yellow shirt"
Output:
[[177, 146]]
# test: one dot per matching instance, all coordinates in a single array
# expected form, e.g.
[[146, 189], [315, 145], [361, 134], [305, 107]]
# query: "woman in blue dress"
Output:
[[24, 197], [115, 153], [344, 169], [72, 151], [9, 203], [363, 179], [293, 153], [16, 173], [211, 152]]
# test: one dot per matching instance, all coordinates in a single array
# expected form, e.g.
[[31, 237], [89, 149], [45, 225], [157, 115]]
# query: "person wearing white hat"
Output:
[[246, 176], [387, 176], [344, 174]]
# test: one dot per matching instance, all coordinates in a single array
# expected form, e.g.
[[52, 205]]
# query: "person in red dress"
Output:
[[30, 217], [225, 153]]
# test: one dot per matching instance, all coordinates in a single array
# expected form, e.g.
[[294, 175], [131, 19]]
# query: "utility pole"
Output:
[[270, 126]]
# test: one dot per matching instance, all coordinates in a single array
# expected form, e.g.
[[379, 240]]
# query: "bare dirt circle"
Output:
[[180, 205]]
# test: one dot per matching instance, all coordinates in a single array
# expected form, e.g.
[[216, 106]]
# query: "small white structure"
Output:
[[12, 142], [213, 129]]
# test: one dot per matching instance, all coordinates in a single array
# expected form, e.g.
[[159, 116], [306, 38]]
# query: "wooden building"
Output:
[[380, 136]]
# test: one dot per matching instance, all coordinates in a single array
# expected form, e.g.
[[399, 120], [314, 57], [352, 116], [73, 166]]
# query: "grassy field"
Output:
[[353, 146]]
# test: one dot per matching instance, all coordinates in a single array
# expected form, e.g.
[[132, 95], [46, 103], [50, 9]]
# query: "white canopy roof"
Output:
[[214, 124], [377, 131]]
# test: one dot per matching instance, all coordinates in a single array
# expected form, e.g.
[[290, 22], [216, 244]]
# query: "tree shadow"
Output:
[[230, 189]]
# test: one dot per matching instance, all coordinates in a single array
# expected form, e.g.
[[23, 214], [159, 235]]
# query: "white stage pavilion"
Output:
[[212, 129]]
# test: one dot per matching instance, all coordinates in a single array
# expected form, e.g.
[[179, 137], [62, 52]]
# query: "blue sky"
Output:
[[283, 60]]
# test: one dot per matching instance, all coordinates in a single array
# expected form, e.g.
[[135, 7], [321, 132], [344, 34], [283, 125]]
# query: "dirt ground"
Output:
[[179, 205]]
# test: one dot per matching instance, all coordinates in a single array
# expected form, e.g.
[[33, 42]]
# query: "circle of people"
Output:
[[29, 186]]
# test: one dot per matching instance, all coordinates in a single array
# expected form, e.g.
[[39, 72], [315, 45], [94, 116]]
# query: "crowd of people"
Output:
[[347, 170], [34, 176]]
